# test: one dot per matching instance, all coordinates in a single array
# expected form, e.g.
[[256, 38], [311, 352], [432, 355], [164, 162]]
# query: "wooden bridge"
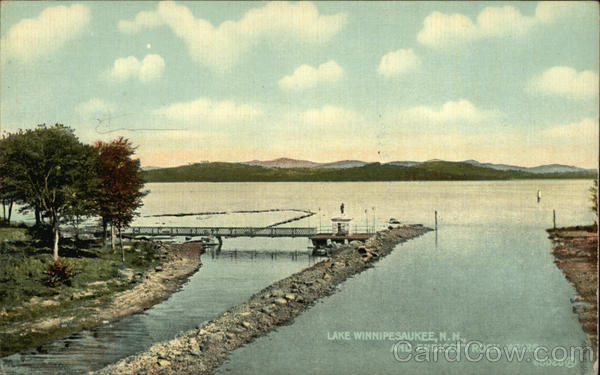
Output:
[[222, 231], [318, 238]]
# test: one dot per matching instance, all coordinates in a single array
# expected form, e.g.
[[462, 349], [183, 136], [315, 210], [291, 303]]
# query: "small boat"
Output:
[[163, 238], [393, 221], [209, 241], [206, 241], [319, 251], [539, 195]]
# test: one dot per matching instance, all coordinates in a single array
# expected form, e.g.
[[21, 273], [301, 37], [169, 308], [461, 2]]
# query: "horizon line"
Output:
[[596, 167]]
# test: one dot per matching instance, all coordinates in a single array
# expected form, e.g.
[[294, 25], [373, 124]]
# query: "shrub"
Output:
[[59, 272]]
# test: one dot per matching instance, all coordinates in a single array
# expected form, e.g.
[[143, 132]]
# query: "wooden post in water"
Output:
[[554, 218], [436, 220]]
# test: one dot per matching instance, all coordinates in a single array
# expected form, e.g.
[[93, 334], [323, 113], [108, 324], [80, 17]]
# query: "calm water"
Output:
[[487, 275], [223, 281]]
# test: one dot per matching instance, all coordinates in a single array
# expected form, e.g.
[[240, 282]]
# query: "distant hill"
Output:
[[149, 168], [431, 170], [550, 168], [500, 167], [282, 163], [343, 164], [557, 168], [404, 163], [294, 163]]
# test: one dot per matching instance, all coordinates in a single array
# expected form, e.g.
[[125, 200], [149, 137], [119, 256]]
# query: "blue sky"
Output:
[[502, 82]]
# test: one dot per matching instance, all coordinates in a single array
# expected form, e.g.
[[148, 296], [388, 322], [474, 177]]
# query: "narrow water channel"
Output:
[[225, 279]]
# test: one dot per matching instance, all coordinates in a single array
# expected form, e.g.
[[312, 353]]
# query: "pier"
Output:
[[317, 237], [339, 231], [230, 232]]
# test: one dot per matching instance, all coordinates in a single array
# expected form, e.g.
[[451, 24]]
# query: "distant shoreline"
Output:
[[490, 180], [430, 171]]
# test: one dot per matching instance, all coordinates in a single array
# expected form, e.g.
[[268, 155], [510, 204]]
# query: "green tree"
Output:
[[8, 184], [54, 173], [120, 183], [85, 199]]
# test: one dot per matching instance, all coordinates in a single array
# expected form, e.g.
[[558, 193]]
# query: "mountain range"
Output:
[[343, 164], [354, 170]]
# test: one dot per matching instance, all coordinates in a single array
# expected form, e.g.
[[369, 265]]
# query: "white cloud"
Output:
[[220, 47], [32, 38], [440, 29], [400, 61], [207, 110], [549, 11], [575, 143], [443, 30], [329, 115], [453, 111], [584, 130], [305, 76], [150, 68], [567, 82], [95, 106]]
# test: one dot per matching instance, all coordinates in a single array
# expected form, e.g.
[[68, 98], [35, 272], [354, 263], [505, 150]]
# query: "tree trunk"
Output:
[[55, 230], [38, 221], [104, 232], [10, 205], [112, 237], [121, 244], [76, 227], [3, 211]]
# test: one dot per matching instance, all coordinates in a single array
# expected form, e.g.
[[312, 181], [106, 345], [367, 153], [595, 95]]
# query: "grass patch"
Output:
[[26, 296], [22, 271], [14, 233]]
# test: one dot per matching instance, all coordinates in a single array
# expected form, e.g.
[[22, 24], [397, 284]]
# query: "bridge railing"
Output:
[[354, 229], [224, 231]]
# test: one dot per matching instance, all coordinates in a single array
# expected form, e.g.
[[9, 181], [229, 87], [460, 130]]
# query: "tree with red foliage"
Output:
[[120, 185]]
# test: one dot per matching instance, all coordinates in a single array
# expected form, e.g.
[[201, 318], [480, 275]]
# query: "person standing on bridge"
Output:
[[342, 208]]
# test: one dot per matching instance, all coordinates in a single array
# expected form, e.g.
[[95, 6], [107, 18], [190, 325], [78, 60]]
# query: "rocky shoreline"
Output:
[[176, 263], [202, 350], [576, 253]]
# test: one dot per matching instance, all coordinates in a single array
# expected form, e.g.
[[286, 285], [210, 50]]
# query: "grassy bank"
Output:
[[33, 310]]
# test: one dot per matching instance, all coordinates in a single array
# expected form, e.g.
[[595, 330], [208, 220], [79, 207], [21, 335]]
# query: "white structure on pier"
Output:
[[340, 226]]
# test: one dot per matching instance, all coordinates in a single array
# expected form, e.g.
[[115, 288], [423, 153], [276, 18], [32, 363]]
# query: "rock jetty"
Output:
[[202, 350]]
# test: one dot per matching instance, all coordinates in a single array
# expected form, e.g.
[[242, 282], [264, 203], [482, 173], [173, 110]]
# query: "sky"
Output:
[[499, 82]]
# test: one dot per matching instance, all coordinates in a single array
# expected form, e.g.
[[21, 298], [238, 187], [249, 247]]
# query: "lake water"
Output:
[[487, 275]]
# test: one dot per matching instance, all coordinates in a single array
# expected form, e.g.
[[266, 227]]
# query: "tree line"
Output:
[[47, 170]]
